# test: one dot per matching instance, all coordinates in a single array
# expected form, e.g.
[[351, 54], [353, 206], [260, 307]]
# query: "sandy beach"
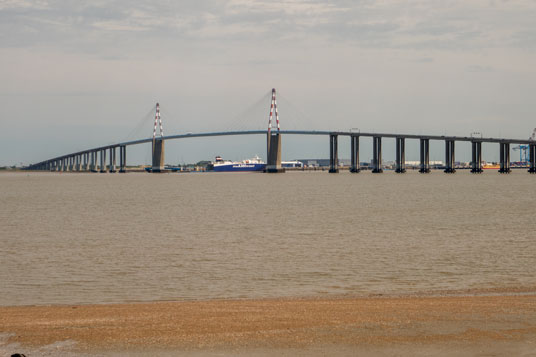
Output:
[[377, 326]]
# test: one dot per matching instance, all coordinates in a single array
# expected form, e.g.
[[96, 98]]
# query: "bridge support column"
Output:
[[93, 161], [400, 155], [112, 160], [158, 155], [274, 154], [476, 163], [425, 156], [71, 163], [354, 154], [84, 165], [377, 155], [122, 159], [103, 160], [77, 163], [333, 154], [504, 158], [532, 158], [449, 157]]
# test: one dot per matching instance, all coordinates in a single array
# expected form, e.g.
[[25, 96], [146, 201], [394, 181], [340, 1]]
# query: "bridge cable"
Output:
[[296, 118], [242, 121], [141, 126]]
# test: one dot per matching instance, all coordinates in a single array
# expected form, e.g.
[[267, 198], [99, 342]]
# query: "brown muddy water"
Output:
[[107, 238]]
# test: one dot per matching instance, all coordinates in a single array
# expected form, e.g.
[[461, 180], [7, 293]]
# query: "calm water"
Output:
[[100, 238]]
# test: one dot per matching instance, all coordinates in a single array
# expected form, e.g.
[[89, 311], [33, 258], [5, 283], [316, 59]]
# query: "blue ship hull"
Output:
[[239, 167]]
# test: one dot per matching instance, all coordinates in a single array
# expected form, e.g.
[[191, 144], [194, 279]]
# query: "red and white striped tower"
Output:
[[157, 120], [273, 147], [158, 144], [273, 107]]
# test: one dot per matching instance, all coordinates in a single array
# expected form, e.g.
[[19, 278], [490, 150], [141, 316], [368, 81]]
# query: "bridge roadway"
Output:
[[74, 160]]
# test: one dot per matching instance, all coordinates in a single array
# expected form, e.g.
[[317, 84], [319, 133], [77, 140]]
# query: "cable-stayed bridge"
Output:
[[95, 159]]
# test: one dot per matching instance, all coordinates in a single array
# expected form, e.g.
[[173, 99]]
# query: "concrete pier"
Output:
[[504, 158], [532, 158], [354, 154], [449, 157], [122, 158], [103, 160], [425, 156], [112, 160], [273, 164], [158, 155], [77, 163], [377, 155], [93, 161], [476, 163], [400, 160], [86, 161], [333, 154]]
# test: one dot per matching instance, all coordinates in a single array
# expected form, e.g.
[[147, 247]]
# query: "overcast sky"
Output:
[[76, 75]]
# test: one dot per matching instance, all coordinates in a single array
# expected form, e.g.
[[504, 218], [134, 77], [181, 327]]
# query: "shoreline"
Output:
[[467, 292], [334, 325]]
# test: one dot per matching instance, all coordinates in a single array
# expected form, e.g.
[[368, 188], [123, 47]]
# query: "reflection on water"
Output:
[[100, 238]]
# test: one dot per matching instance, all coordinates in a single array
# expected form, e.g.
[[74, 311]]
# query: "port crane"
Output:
[[524, 149]]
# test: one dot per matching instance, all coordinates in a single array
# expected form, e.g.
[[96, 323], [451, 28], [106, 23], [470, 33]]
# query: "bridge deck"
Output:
[[297, 132]]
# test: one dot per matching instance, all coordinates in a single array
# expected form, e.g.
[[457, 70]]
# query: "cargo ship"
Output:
[[254, 164]]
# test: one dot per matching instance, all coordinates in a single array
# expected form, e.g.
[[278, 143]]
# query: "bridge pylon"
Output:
[[273, 148], [158, 144]]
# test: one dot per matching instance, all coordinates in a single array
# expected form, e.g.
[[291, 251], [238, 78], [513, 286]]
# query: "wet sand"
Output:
[[377, 326]]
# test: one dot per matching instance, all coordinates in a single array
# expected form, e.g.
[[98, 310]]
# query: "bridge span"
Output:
[[88, 160]]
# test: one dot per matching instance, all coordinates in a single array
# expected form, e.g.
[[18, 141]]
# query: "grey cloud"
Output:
[[479, 68], [368, 23]]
